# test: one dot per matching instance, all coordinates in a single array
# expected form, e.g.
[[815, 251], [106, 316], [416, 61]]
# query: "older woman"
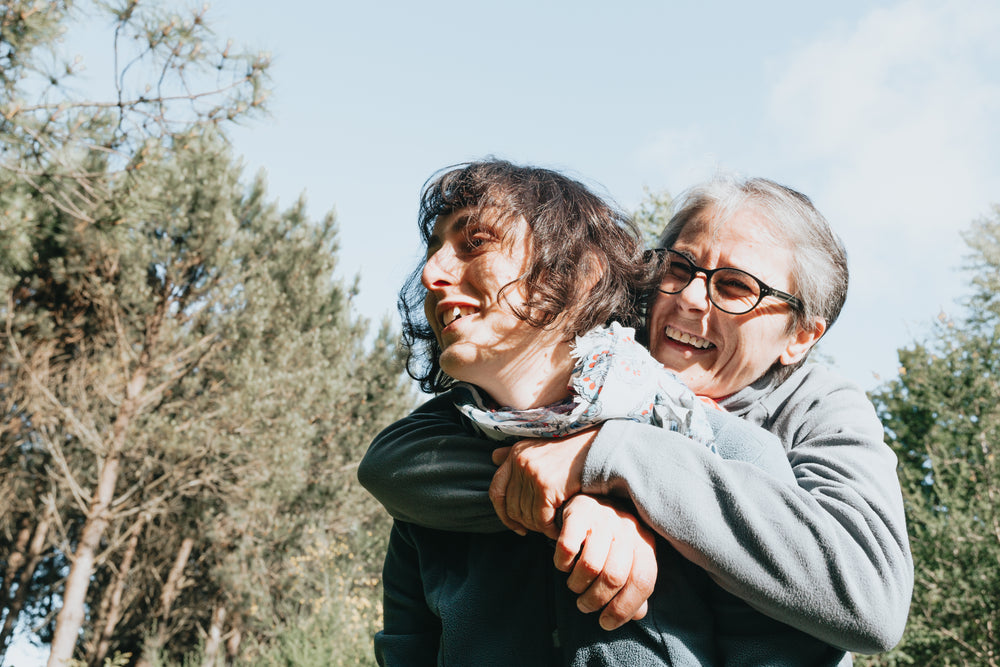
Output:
[[519, 262], [829, 555]]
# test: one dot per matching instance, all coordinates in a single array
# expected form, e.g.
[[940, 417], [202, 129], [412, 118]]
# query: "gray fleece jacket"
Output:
[[827, 555]]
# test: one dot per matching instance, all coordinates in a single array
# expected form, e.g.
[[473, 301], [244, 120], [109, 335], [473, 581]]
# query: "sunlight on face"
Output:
[[471, 275], [716, 353]]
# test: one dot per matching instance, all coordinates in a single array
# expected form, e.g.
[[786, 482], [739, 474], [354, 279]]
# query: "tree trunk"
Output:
[[16, 559], [113, 611], [234, 639], [70, 618], [171, 589], [214, 639], [27, 564]]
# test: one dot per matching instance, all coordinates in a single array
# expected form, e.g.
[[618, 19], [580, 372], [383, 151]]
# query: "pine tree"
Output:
[[185, 382], [942, 416], [653, 215]]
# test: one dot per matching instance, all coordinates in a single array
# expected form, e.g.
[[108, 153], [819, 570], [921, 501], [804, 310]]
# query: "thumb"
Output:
[[498, 495], [500, 455]]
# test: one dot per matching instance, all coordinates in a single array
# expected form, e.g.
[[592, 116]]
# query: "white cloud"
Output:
[[896, 118], [902, 110]]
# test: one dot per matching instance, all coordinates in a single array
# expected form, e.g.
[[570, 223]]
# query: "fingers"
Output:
[[587, 548], [500, 455], [611, 558], [535, 477], [631, 601], [498, 495], [543, 474], [519, 494], [604, 579]]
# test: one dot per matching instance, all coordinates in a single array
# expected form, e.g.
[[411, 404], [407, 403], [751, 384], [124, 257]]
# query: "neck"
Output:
[[540, 380]]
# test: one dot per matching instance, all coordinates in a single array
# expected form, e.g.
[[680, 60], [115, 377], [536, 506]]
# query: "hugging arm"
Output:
[[537, 476], [828, 555], [431, 469]]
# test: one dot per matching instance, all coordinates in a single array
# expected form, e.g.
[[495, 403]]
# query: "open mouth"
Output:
[[456, 313], [679, 336]]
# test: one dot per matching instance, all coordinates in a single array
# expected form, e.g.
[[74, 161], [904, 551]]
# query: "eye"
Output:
[[679, 269], [678, 266], [735, 284], [477, 239]]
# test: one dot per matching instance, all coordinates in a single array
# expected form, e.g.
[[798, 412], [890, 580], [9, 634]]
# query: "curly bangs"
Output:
[[585, 268]]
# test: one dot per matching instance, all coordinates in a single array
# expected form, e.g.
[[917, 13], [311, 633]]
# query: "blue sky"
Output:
[[884, 112]]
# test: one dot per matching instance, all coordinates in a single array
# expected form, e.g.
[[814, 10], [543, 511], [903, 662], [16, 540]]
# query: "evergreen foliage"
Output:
[[942, 416], [652, 216], [186, 388]]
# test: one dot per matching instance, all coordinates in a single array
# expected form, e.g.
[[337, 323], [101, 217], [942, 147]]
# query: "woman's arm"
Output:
[[535, 477], [828, 555], [430, 469]]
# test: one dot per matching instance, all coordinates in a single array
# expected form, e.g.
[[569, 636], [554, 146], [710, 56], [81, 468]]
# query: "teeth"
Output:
[[686, 338], [456, 313]]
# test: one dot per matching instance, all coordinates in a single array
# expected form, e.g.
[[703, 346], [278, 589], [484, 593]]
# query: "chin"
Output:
[[451, 365], [694, 378]]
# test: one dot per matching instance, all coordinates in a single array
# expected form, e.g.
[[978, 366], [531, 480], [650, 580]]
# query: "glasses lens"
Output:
[[675, 272], [735, 291]]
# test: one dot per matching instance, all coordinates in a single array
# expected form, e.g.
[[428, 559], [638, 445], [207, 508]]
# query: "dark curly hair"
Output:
[[573, 234]]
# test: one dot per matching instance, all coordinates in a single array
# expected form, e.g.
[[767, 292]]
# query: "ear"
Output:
[[801, 342]]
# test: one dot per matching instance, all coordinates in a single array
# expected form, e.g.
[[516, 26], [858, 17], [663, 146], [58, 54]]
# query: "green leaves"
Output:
[[183, 376], [942, 416], [653, 215]]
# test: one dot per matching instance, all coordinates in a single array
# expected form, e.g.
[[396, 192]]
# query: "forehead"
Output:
[[509, 226], [451, 222], [745, 239]]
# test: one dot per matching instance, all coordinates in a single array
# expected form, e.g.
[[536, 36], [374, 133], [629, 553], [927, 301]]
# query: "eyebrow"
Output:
[[684, 253], [457, 225]]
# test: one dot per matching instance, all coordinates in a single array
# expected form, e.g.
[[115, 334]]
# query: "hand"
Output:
[[535, 478], [611, 558]]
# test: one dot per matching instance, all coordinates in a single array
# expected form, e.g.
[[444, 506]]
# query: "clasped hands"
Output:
[[609, 553]]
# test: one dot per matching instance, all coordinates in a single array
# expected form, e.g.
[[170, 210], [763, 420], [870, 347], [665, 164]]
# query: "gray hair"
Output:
[[819, 261]]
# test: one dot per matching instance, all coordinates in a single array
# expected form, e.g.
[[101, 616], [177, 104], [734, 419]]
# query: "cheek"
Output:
[[658, 306], [753, 353], [430, 304], [657, 311]]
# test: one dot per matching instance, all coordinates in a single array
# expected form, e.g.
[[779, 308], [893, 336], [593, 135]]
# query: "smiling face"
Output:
[[472, 278], [717, 354]]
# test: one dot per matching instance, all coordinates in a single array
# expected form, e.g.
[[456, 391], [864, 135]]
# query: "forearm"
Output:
[[739, 440], [828, 556], [429, 470]]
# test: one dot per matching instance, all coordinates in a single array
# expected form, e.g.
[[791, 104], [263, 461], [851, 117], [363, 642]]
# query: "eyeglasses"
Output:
[[731, 290]]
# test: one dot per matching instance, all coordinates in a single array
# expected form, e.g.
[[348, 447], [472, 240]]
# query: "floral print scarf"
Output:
[[614, 378]]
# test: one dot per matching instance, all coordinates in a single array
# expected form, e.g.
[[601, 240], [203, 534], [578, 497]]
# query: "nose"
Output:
[[695, 295], [440, 269]]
